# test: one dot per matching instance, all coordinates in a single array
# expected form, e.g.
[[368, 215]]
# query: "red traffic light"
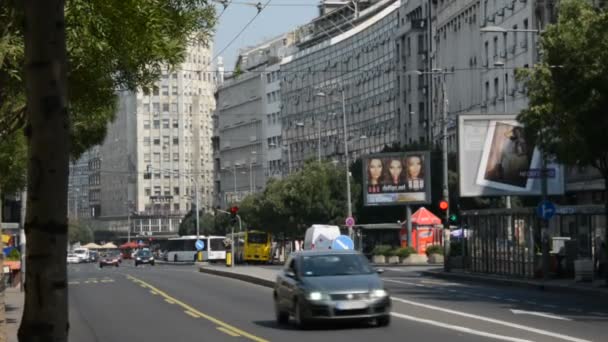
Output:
[[443, 205], [234, 210]]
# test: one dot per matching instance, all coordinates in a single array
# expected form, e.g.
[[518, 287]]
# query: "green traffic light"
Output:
[[453, 218]]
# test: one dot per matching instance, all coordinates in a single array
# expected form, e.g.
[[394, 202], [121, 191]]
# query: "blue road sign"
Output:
[[199, 244], [342, 242], [545, 210]]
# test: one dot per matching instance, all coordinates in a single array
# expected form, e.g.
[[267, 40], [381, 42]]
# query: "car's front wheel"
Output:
[[282, 316], [100, 265], [384, 321]]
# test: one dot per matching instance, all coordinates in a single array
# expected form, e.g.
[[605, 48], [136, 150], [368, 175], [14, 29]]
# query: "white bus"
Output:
[[183, 248]]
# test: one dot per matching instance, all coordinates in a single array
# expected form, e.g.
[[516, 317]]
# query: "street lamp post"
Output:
[[349, 209]]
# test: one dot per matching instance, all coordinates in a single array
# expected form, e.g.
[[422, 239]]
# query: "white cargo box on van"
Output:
[[320, 236]]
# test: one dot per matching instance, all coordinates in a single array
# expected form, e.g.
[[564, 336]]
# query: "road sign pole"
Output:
[[544, 231], [408, 224]]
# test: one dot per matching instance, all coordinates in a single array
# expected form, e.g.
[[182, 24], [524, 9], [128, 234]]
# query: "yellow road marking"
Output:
[[192, 314], [229, 332], [222, 324], [107, 280], [73, 283], [154, 293], [169, 301]]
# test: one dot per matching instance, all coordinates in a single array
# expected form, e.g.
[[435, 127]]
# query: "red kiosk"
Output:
[[127, 248], [426, 230]]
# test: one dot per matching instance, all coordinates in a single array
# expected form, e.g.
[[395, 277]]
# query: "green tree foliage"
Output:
[[79, 232], [112, 46], [316, 194]]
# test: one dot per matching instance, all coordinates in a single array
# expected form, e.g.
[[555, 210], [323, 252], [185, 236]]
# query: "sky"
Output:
[[278, 17]]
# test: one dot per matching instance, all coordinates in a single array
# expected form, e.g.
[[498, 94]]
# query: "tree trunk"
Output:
[[605, 225], [45, 316]]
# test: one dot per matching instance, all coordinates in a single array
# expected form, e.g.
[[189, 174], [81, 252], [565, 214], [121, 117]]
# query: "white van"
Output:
[[320, 236], [83, 254]]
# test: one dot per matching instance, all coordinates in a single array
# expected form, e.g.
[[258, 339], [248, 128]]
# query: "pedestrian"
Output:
[[602, 260]]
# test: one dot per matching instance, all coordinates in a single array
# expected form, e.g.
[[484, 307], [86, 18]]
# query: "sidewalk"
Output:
[[596, 288], [13, 299]]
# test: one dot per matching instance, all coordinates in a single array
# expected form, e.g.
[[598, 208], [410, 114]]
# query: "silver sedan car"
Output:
[[330, 285]]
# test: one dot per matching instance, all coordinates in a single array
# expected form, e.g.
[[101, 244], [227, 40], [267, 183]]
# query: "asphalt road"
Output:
[[177, 303]]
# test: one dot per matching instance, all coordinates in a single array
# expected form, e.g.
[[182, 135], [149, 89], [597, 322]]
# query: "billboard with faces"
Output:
[[397, 178]]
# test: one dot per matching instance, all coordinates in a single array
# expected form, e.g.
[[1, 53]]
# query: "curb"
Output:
[[238, 276], [517, 283], [179, 263]]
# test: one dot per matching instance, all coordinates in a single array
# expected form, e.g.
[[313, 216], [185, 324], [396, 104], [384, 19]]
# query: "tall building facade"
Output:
[[79, 193], [346, 63], [248, 140], [158, 154], [413, 79]]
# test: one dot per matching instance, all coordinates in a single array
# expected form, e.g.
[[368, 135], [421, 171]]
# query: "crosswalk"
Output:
[[91, 281]]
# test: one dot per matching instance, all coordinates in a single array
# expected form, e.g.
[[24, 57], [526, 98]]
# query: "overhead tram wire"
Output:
[[260, 10]]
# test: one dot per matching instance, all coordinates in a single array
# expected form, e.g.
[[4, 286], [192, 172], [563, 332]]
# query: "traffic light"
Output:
[[443, 205], [233, 213], [453, 218], [234, 210]]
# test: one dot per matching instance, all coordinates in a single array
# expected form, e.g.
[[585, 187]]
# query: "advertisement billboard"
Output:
[[397, 178], [496, 160]]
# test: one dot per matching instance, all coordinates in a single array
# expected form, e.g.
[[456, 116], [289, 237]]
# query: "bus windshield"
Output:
[[261, 238]]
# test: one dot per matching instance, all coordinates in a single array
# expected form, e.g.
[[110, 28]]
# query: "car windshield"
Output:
[[144, 254], [335, 265]]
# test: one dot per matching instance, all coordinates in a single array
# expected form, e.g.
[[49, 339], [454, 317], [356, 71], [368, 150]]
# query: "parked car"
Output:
[[330, 285], [73, 259], [110, 259], [144, 257]]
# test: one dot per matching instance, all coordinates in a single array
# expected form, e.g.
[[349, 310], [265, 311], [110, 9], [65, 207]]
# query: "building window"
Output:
[[146, 141], [155, 107], [175, 156], [174, 90], [146, 108], [165, 123], [165, 90], [176, 207], [174, 108], [409, 46], [147, 157], [156, 124], [155, 90], [147, 191], [175, 141], [157, 190], [146, 124], [175, 123], [176, 191], [157, 141], [166, 156], [156, 158], [165, 107]]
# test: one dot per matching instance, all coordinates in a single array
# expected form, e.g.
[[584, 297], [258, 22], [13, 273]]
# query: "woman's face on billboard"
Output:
[[375, 169], [414, 166], [395, 168]]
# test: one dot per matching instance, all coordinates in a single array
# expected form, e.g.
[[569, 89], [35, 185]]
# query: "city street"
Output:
[[177, 303]]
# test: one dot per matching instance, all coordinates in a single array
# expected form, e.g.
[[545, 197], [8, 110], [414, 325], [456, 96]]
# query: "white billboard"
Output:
[[496, 160]]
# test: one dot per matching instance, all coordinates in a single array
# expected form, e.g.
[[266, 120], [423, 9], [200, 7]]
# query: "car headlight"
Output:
[[138, 259], [151, 258], [380, 293], [315, 295]]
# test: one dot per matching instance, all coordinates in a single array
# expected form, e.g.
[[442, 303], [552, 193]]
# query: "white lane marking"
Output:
[[496, 297], [541, 314], [491, 320], [459, 328], [550, 306], [512, 300], [531, 302]]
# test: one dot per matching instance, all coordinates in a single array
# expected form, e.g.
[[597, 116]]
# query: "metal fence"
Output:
[[508, 241]]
